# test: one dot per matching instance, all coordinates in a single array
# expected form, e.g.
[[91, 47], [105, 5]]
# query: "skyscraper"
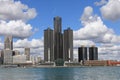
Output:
[[8, 43], [8, 56], [7, 52], [54, 45], [93, 53], [27, 53], [48, 45], [68, 45], [57, 24], [58, 39], [82, 53]]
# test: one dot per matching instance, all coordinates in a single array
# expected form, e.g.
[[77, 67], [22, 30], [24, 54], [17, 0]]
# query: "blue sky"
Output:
[[69, 10], [94, 22]]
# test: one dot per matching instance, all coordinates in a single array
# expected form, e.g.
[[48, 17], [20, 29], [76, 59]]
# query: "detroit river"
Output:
[[74, 73]]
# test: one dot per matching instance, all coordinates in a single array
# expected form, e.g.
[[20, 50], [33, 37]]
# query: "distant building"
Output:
[[19, 59], [16, 52], [68, 45], [27, 53], [39, 59], [2, 56], [82, 53], [58, 38], [32, 58], [48, 45], [8, 56], [93, 53], [8, 43], [1, 60], [0, 53]]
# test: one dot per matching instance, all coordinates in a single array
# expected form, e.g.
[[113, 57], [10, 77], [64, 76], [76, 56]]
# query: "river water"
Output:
[[74, 73]]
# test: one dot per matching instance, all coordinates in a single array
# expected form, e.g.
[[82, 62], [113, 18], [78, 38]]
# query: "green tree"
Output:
[[59, 62]]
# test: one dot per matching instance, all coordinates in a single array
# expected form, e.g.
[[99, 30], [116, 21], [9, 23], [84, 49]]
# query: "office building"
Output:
[[82, 53], [48, 45], [58, 39], [38, 59], [19, 59], [16, 52], [27, 53], [1, 61], [93, 53], [2, 56], [56, 45], [8, 43], [68, 45], [57, 24], [8, 56]]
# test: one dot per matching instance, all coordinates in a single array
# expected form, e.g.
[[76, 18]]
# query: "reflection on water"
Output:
[[82, 73]]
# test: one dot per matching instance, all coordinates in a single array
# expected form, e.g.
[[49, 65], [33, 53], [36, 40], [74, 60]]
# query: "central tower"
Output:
[[58, 38], [57, 24]]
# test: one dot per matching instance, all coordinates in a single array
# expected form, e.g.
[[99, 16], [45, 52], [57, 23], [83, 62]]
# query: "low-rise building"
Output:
[[18, 59]]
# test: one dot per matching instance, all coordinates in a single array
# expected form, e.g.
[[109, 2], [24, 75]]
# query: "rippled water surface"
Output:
[[82, 73]]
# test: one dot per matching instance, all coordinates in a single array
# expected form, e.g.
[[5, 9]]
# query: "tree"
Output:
[[59, 62]]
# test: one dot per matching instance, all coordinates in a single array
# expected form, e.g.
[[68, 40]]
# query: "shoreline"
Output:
[[34, 66]]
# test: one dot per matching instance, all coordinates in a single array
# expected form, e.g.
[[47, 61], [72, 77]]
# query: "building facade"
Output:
[[58, 46], [93, 53], [82, 54], [16, 52], [58, 38], [68, 45], [8, 57], [27, 53], [48, 45], [19, 59], [8, 42]]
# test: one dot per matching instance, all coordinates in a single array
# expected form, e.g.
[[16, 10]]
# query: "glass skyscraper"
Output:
[[56, 44]]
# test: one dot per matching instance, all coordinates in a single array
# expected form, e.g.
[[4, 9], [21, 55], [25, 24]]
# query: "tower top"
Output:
[[57, 24], [57, 17]]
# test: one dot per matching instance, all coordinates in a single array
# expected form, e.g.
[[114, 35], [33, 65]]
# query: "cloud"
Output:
[[36, 46], [109, 52], [6, 0], [111, 10], [13, 18], [87, 15], [102, 2], [1, 45], [15, 10], [34, 43], [78, 43], [94, 31], [17, 29], [13, 21]]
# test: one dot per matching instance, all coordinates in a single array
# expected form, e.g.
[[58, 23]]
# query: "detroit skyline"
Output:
[[89, 20]]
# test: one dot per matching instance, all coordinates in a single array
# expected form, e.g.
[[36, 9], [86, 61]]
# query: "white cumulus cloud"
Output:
[[111, 10], [102, 2], [111, 52], [17, 29], [78, 43], [94, 31], [34, 43], [15, 10], [36, 46]]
